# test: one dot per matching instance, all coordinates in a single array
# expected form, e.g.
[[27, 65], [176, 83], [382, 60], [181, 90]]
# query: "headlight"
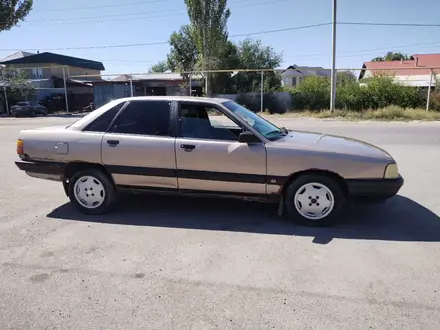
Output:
[[391, 171]]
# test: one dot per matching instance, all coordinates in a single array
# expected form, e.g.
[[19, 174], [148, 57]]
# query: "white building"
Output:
[[294, 74]]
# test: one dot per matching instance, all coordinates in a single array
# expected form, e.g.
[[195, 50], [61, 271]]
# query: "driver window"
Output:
[[203, 122]]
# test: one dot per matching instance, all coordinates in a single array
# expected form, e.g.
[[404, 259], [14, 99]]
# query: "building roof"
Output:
[[16, 55], [151, 76], [307, 70], [50, 58], [418, 65]]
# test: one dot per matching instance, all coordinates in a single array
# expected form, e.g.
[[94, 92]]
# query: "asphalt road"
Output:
[[180, 263]]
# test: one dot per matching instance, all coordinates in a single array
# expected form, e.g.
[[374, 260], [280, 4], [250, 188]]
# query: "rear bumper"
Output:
[[43, 170], [374, 188]]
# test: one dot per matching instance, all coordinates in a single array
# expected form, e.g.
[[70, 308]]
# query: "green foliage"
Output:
[[12, 12], [183, 54], [253, 55], [17, 85], [159, 67], [313, 93], [208, 21], [391, 56], [204, 45]]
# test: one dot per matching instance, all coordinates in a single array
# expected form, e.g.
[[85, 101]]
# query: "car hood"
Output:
[[330, 143]]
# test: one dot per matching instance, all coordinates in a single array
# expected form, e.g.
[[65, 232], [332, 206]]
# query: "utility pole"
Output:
[[428, 100], [204, 48], [333, 72]]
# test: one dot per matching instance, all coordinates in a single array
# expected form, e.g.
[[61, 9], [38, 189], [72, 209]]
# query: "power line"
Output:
[[124, 17], [105, 6], [280, 30], [358, 52], [389, 24], [365, 51], [165, 42]]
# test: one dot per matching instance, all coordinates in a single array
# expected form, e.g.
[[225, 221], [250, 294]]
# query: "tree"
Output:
[[12, 12], [159, 67], [208, 21], [183, 54], [18, 87], [345, 77], [391, 56], [253, 55]]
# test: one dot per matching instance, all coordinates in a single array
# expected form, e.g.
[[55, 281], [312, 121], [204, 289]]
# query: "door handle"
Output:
[[188, 147], [112, 143]]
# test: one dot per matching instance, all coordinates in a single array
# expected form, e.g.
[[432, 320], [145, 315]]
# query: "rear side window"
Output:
[[144, 118], [102, 123]]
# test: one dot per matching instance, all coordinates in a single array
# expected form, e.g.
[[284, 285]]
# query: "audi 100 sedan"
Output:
[[207, 147]]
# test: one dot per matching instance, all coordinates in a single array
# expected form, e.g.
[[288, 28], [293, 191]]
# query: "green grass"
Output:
[[391, 113]]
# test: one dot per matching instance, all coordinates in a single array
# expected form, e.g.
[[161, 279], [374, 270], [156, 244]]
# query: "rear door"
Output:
[[138, 150]]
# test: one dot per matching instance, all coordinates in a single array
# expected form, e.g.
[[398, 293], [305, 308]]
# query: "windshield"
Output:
[[265, 128]]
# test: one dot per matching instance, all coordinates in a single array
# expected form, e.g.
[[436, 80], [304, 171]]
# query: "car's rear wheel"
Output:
[[314, 200], [92, 192]]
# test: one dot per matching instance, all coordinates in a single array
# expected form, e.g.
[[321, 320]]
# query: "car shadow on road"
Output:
[[398, 219]]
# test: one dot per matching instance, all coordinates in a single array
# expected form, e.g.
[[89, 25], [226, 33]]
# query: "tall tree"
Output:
[[208, 20], [391, 56], [253, 55], [159, 67], [13, 12], [183, 55]]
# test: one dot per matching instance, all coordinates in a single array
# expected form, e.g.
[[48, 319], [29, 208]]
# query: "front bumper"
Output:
[[374, 188], [42, 170]]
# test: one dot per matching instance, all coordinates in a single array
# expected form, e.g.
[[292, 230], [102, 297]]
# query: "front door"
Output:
[[209, 156], [138, 150]]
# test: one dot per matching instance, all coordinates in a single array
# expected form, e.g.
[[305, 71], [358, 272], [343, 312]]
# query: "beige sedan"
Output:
[[204, 146]]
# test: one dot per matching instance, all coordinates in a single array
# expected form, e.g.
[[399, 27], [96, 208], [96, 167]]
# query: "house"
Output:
[[294, 74], [414, 72], [47, 72], [142, 85]]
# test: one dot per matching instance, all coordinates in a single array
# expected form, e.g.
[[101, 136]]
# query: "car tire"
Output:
[[314, 200], [92, 191]]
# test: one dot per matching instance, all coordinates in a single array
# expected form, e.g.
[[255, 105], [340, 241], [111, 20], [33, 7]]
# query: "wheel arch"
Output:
[[338, 179], [73, 167]]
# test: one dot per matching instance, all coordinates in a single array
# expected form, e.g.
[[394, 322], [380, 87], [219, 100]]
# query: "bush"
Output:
[[249, 101], [313, 93]]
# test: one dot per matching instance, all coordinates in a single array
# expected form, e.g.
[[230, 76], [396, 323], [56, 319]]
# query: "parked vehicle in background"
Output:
[[202, 146], [28, 108]]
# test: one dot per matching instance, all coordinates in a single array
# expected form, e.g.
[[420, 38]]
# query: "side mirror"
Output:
[[248, 137]]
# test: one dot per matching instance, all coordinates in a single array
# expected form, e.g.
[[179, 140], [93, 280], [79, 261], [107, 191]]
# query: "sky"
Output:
[[83, 23]]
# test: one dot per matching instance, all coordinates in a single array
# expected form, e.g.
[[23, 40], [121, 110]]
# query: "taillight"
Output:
[[20, 150]]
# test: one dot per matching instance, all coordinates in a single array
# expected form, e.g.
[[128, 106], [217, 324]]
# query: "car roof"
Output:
[[84, 121], [176, 98]]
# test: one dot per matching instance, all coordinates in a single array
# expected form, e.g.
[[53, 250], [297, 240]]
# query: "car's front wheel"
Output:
[[92, 192], [314, 200]]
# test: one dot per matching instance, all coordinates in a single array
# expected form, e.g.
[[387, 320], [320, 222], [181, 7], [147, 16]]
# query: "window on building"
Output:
[[37, 73], [294, 81], [144, 118]]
